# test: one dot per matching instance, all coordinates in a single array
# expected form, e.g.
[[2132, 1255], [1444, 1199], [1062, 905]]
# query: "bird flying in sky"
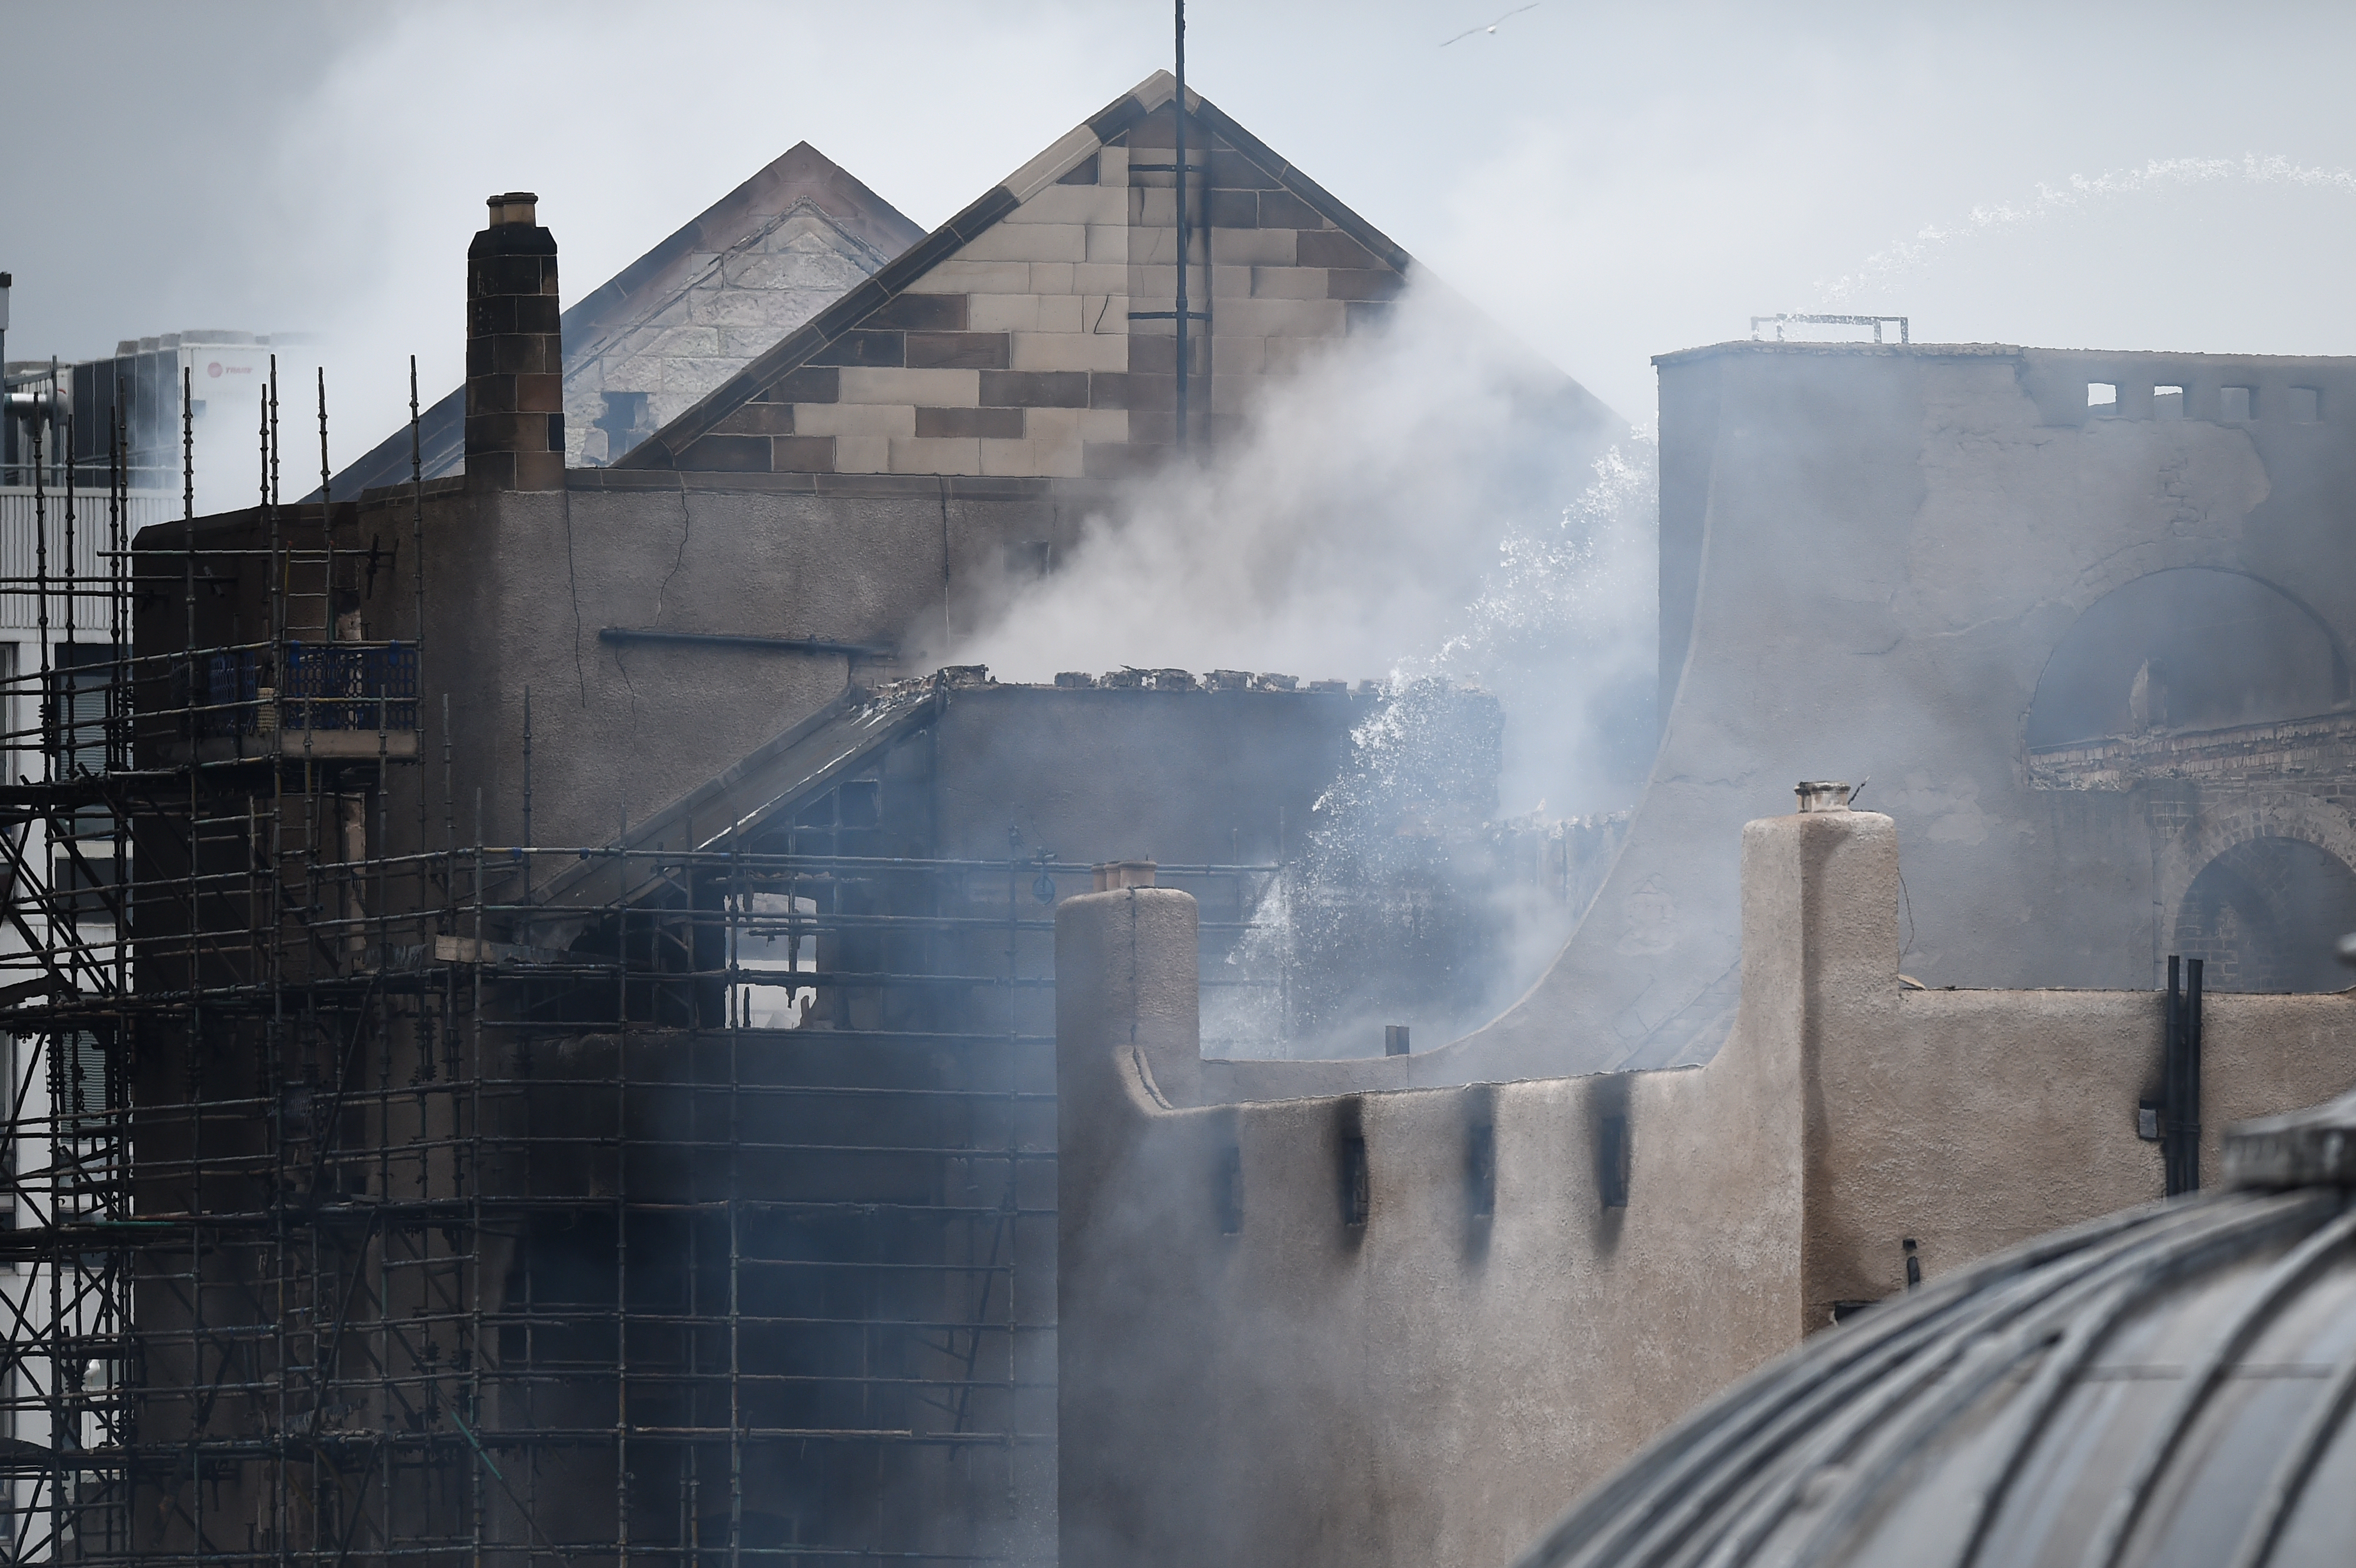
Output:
[[1492, 26]]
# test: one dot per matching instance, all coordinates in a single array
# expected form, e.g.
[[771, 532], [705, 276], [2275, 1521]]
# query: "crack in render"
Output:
[[686, 525]]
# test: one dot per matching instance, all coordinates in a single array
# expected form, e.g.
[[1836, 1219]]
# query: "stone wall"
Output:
[[1035, 333], [1409, 1326], [1045, 343], [626, 384]]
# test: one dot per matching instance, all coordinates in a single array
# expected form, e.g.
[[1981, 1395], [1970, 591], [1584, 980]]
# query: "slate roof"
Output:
[[801, 178]]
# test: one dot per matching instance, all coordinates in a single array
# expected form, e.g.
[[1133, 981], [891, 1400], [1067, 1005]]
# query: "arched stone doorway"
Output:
[[2265, 915]]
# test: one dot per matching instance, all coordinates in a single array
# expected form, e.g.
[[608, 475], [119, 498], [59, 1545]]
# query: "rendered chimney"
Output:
[[515, 353]]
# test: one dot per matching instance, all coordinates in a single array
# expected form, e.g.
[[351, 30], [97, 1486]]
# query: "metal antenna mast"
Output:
[[1180, 105]]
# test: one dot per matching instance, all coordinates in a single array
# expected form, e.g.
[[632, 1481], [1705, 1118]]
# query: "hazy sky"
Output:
[[1616, 181]]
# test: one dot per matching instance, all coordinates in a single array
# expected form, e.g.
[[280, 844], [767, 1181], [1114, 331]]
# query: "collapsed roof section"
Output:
[[1034, 335], [673, 325]]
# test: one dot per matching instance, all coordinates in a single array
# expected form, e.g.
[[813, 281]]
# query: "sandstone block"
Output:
[[855, 419], [1153, 209], [1028, 242], [1004, 313], [919, 454], [957, 276], [1285, 318], [1072, 204], [1107, 242], [1255, 247], [1069, 351], [933, 388], [863, 454], [1011, 457], [1289, 282]]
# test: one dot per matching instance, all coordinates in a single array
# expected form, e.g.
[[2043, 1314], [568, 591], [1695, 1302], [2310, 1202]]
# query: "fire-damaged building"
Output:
[[553, 1023], [536, 1035]]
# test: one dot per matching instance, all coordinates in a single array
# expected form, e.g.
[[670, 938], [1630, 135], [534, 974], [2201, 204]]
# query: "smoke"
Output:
[[1423, 502], [2074, 196], [1431, 509]]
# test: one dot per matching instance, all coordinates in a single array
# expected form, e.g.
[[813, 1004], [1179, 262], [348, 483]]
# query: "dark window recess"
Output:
[[2234, 404], [1395, 1040], [1227, 1190], [1913, 1264], [1844, 1310], [1481, 1168], [1030, 557], [1356, 1192], [1611, 1161]]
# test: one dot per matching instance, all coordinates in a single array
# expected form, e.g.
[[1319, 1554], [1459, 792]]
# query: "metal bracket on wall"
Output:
[[2180, 1078]]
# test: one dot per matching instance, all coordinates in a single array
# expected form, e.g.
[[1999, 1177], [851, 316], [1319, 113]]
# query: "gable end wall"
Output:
[[1035, 337]]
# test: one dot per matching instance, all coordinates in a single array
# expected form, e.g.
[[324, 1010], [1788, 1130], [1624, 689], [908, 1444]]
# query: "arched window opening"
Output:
[[2186, 649], [2267, 915]]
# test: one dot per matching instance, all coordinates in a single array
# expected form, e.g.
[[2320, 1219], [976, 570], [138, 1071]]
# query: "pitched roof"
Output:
[[1068, 154], [866, 232]]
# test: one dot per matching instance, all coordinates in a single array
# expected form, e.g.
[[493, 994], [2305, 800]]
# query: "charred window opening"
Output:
[[2103, 395], [1481, 1168], [1227, 1190], [1356, 1188], [2167, 402], [1029, 559], [2236, 405], [1611, 1159]]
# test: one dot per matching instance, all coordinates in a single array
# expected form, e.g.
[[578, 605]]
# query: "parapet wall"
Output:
[[1409, 1326]]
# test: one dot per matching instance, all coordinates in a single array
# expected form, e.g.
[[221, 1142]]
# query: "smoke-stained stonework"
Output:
[[2080, 648], [541, 994]]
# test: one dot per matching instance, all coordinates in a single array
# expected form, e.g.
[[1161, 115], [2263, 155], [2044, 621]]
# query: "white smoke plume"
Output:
[[1410, 504], [1431, 509]]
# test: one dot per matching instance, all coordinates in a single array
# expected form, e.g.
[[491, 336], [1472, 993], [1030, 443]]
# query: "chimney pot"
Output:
[[1823, 795], [513, 206]]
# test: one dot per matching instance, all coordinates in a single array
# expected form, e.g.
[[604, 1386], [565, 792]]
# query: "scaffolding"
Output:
[[384, 1194]]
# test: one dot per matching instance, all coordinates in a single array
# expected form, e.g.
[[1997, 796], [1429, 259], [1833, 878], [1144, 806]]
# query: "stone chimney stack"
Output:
[[515, 353]]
